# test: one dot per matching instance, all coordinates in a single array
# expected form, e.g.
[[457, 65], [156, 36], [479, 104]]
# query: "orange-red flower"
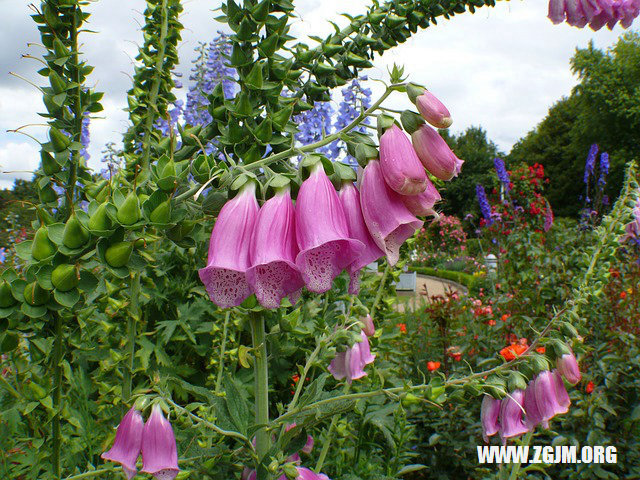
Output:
[[402, 327], [589, 387], [491, 322], [505, 317], [623, 295], [541, 349], [431, 366], [512, 351]]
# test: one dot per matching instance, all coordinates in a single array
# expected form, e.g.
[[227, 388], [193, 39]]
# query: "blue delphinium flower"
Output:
[[85, 137], [3, 255], [591, 162], [313, 124], [501, 170], [485, 208], [604, 169]]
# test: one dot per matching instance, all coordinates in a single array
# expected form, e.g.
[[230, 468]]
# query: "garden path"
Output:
[[427, 287]]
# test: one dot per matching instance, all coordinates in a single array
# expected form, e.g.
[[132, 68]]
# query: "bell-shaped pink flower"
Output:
[[512, 415], [128, 442], [422, 204], [550, 398], [568, 366], [532, 413], [225, 274], [367, 326], [435, 154], [389, 221], [433, 110], [273, 274], [556, 10], [322, 233], [306, 474], [350, 198], [350, 364], [159, 450], [400, 165], [489, 413]]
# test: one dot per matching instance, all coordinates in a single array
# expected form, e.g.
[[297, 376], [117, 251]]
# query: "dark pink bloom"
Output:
[[422, 204], [551, 396], [512, 415], [368, 327], [433, 110], [389, 221], [225, 274], [400, 165], [568, 366], [350, 364], [322, 233], [159, 450], [350, 198], [532, 415], [595, 13], [489, 413], [435, 154], [303, 474], [273, 274], [128, 442]]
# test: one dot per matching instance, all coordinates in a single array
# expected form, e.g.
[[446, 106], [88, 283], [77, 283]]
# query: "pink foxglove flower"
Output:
[[422, 204], [433, 110], [595, 13], [489, 413], [368, 327], [350, 364], [159, 450], [322, 233], [273, 274], [389, 221], [128, 442], [512, 415], [435, 154], [551, 396], [350, 198], [400, 165], [568, 366], [532, 415], [225, 274]]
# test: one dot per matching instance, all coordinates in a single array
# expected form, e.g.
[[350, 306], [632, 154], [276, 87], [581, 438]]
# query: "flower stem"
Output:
[[261, 372], [515, 470], [222, 349], [327, 442], [134, 315], [383, 281], [57, 396]]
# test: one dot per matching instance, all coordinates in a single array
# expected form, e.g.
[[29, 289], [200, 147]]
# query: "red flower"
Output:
[[431, 366], [589, 387], [505, 317], [402, 327], [541, 349], [491, 322], [623, 295], [512, 351]]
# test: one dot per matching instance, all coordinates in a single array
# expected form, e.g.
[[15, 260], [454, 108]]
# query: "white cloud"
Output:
[[17, 160]]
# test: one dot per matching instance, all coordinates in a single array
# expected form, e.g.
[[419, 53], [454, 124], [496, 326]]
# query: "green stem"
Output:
[[383, 281], [132, 319], [261, 372], [515, 469], [57, 396], [222, 350], [327, 441]]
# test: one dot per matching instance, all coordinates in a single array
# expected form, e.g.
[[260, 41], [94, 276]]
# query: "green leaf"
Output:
[[236, 405]]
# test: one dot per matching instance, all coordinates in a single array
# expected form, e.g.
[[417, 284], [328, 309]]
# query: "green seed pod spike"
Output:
[[64, 277], [74, 235], [35, 295], [129, 211], [118, 254], [6, 297], [42, 247], [100, 221]]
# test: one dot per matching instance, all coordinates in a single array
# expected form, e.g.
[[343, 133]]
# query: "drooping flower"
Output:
[[306, 474], [322, 232], [512, 415], [595, 13], [400, 164], [367, 326], [350, 198], [273, 274], [435, 154], [551, 397], [225, 274], [489, 413], [568, 366], [433, 110], [128, 442], [388, 219], [422, 204], [159, 450], [350, 364], [532, 413]]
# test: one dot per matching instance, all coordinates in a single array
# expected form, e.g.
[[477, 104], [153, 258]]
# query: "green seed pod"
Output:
[[47, 194], [74, 235], [118, 254], [58, 139], [49, 164], [65, 277], [129, 211], [162, 213], [42, 247], [100, 220], [169, 170], [35, 295], [410, 399], [99, 190], [143, 197], [6, 297], [180, 231]]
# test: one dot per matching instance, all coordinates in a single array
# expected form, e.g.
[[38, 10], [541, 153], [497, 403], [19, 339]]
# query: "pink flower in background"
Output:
[[350, 364], [400, 164], [595, 13]]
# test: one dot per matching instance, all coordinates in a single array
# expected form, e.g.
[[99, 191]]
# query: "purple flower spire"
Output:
[[350, 364], [85, 136], [485, 208], [590, 163], [322, 233], [273, 274], [228, 261], [501, 170], [159, 450], [604, 169], [489, 413], [548, 218], [128, 443], [314, 124]]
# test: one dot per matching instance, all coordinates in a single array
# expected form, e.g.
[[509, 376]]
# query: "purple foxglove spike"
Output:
[[368, 327], [354, 363], [433, 110], [556, 10], [228, 260], [401, 167], [489, 413], [568, 366], [350, 364], [159, 450], [273, 274], [422, 204], [389, 222], [561, 391], [128, 442], [435, 154], [546, 397], [322, 233], [532, 414], [350, 198], [511, 415]]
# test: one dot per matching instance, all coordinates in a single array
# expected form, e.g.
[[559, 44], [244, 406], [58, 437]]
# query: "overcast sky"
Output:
[[501, 68]]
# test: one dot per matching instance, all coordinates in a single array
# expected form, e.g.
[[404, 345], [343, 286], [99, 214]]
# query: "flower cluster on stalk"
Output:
[[595, 13]]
